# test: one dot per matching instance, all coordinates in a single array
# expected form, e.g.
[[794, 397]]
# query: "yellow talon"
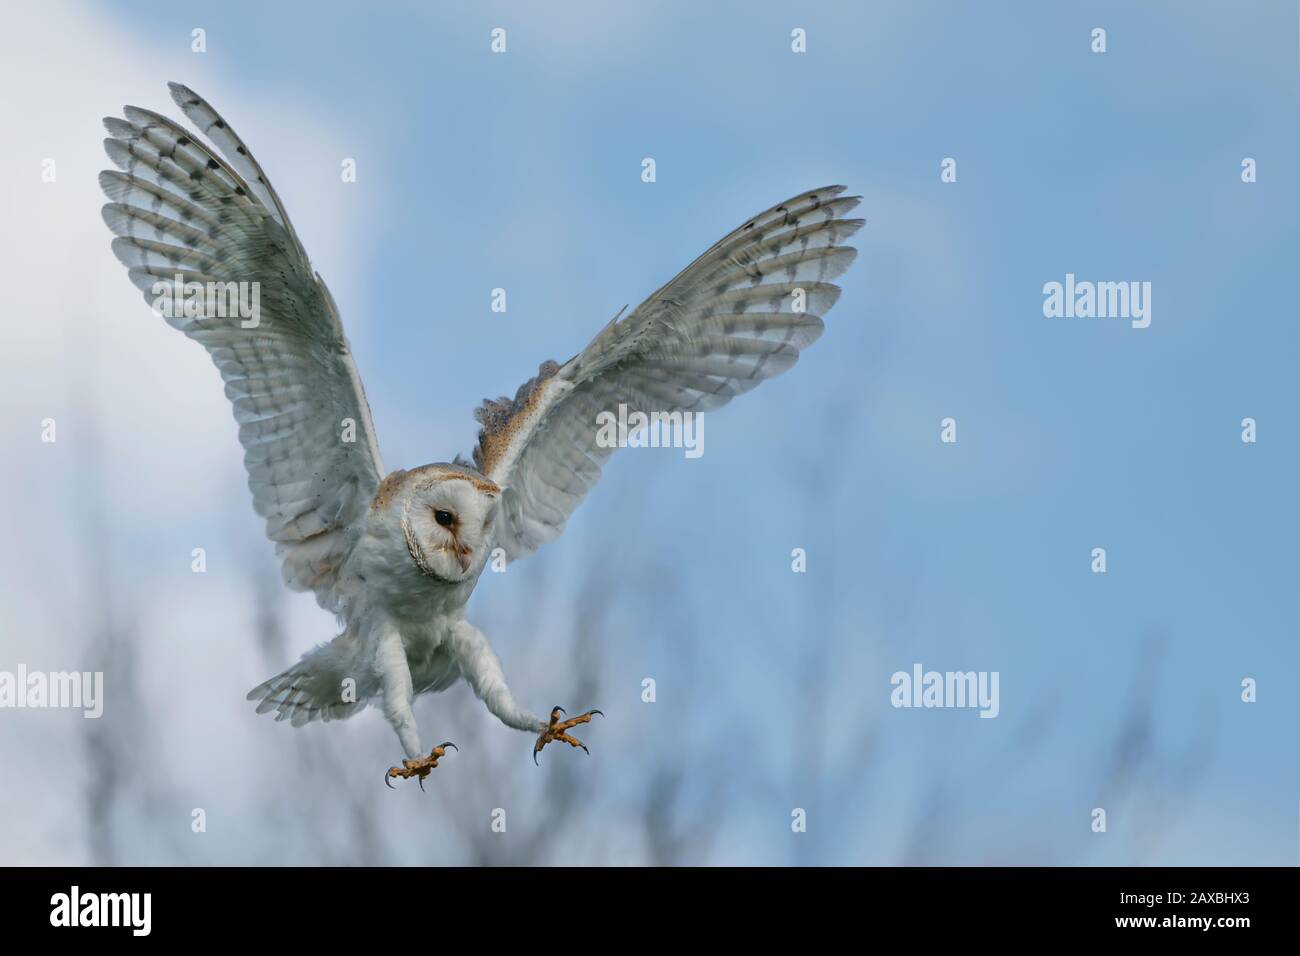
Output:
[[557, 727], [421, 767]]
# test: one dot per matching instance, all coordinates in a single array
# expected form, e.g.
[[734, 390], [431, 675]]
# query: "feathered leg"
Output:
[[395, 679], [481, 669]]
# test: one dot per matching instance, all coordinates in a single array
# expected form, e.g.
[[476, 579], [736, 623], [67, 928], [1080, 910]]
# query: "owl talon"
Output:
[[419, 768], [557, 727]]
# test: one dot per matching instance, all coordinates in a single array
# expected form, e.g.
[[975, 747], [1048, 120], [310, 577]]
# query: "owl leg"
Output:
[[555, 730], [481, 669], [395, 679]]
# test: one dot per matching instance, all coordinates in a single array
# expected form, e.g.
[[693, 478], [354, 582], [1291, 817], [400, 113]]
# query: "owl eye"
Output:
[[444, 518]]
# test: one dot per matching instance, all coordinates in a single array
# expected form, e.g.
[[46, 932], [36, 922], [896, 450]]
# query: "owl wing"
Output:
[[181, 209], [737, 315]]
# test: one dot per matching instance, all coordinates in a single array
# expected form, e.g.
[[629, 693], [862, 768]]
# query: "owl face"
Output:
[[447, 522]]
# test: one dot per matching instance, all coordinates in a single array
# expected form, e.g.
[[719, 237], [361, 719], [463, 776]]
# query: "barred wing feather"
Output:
[[739, 314], [180, 207]]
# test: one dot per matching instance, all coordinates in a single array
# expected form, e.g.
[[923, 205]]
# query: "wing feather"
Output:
[[178, 206], [728, 321]]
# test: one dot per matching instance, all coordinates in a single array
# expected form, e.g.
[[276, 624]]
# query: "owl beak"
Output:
[[463, 555]]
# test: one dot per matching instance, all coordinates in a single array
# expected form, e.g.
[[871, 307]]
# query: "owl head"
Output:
[[446, 514]]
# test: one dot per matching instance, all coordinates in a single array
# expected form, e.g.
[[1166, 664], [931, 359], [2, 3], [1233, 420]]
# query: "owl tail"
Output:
[[326, 684]]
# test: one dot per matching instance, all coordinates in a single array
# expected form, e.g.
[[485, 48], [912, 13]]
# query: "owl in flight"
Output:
[[395, 555]]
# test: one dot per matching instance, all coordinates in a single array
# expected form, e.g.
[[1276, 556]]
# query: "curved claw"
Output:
[[387, 774], [594, 712], [561, 710], [447, 743], [535, 753], [419, 779], [585, 750]]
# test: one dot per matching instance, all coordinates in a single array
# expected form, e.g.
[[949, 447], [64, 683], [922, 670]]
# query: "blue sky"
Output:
[[522, 171]]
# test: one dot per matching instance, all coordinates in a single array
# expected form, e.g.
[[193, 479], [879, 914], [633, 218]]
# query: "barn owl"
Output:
[[396, 555]]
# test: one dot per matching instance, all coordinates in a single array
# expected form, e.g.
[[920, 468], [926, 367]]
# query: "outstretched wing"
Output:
[[186, 213], [737, 315]]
